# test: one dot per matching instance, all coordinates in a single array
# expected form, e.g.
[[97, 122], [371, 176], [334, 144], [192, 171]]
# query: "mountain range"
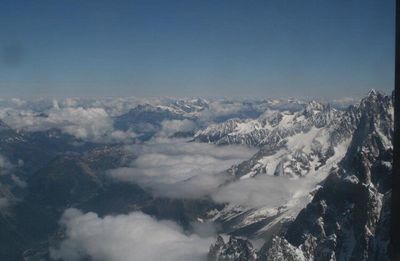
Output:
[[315, 187]]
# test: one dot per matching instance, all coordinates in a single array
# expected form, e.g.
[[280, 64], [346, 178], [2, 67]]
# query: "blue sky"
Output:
[[261, 48]]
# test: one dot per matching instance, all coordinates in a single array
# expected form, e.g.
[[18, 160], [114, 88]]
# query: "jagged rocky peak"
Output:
[[271, 126], [190, 105], [348, 216], [236, 249], [320, 114], [372, 92], [377, 98], [313, 107], [282, 250], [145, 107], [200, 102]]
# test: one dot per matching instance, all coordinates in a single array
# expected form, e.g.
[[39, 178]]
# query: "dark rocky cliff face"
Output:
[[234, 249], [349, 216]]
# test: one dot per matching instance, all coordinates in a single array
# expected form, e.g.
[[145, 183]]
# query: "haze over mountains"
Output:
[[195, 179]]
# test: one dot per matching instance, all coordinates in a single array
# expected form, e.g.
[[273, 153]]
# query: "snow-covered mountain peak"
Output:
[[348, 216], [372, 92], [313, 107]]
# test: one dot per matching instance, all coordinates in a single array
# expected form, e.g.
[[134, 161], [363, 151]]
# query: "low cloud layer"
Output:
[[8, 180], [135, 236], [180, 169], [169, 127], [177, 168], [263, 191], [93, 124]]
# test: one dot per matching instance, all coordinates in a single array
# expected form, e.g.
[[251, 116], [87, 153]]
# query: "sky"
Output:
[[226, 48]]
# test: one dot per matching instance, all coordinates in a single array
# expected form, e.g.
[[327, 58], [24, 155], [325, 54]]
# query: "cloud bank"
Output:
[[92, 124], [135, 236], [181, 169], [169, 127], [263, 191]]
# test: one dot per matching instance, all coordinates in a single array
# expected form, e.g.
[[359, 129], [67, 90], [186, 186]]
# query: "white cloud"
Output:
[[177, 168], [345, 102], [80, 122], [6, 171], [169, 127], [135, 236], [93, 124], [264, 191], [221, 109], [18, 102], [6, 168]]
